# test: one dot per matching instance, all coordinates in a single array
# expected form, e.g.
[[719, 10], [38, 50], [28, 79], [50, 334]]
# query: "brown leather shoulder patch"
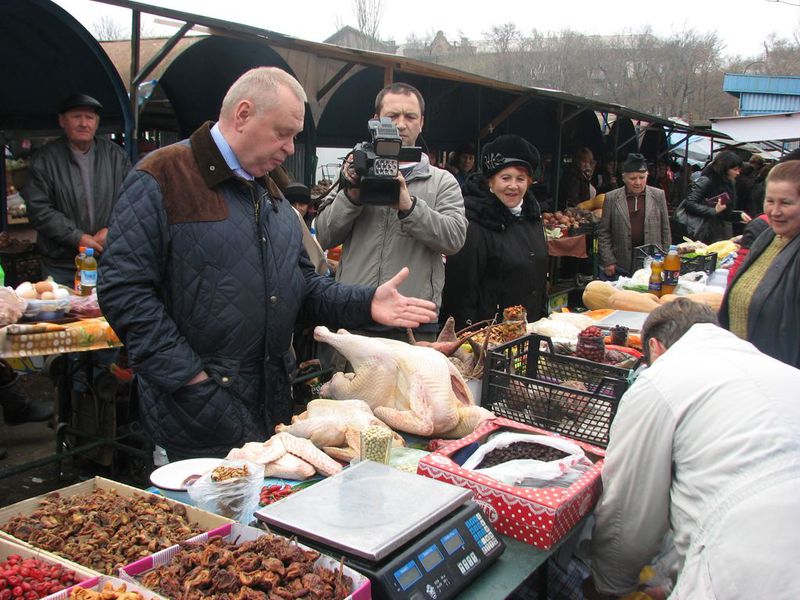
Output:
[[187, 198]]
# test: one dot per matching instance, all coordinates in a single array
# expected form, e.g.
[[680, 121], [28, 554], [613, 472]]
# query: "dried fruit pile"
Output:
[[518, 451], [268, 567], [32, 578], [107, 593], [103, 530]]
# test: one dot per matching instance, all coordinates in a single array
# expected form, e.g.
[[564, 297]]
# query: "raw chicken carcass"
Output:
[[284, 455], [410, 388], [335, 426]]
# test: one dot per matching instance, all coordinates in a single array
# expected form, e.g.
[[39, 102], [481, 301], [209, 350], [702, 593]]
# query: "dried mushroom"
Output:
[[103, 530], [269, 567]]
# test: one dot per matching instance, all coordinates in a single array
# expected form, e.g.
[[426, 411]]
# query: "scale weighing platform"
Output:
[[414, 537]]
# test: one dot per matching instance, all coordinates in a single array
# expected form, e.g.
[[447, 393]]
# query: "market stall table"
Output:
[[500, 579], [68, 336]]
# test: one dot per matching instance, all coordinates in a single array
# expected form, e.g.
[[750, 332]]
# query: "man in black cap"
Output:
[[633, 215], [71, 189]]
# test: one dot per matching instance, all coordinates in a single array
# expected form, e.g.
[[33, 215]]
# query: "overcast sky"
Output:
[[741, 24]]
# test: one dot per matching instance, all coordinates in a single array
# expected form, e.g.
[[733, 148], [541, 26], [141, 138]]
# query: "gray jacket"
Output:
[[377, 242], [614, 232], [56, 199]]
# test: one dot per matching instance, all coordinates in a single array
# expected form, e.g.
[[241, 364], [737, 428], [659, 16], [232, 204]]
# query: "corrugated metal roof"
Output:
[[741, 83], [763, 104]]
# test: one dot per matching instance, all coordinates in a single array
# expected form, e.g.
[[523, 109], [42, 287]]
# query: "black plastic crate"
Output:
[[20, 263], [584, 229], [527, 385], [707, 263]]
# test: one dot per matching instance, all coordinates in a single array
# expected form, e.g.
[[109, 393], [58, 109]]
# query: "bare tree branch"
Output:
[[368, 15]]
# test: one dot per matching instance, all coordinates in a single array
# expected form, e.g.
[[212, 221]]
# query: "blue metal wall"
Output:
[[764, 104], [762, 94]]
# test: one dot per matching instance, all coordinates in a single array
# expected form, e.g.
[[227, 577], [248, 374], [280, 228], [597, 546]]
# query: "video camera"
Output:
[[377, 162]]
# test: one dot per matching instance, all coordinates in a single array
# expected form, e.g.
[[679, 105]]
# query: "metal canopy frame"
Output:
[[566, 106]]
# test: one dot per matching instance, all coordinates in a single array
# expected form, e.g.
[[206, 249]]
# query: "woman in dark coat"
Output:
[[504, 260], [706, 199]]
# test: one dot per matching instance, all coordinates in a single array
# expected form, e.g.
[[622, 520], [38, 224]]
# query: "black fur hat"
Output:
[[506, 151]]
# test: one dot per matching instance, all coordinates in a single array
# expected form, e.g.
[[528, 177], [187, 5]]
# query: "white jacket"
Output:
[[705, 443]]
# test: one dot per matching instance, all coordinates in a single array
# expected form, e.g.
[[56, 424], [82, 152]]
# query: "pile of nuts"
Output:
[[32, 578], [224, 473], [104, 530]]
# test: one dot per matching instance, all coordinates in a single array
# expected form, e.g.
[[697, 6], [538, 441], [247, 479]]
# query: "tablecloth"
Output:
[[39, 339], [574, 246]]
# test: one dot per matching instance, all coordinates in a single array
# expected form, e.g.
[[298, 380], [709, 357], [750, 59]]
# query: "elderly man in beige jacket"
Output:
[[633, 215], [706, 444]]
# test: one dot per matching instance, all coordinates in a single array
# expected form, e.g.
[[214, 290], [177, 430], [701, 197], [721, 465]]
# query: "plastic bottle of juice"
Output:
[[656, 268], [88, 273], [78, 261], [672, 270]]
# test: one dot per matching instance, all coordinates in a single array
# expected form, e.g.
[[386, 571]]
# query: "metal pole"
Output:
[[133, 135], [3, 175], [557, 157]]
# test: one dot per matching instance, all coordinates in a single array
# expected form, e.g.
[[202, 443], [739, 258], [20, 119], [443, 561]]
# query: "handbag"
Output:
[[692, 223]]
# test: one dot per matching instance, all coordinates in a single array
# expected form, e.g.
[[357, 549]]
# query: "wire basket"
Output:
[[640, 253], [543, 389]]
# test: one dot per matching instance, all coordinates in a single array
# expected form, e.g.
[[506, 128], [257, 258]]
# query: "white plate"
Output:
[[172, 476]]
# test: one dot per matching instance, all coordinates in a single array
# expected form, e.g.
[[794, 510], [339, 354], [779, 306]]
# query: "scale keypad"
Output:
[[482, 534]]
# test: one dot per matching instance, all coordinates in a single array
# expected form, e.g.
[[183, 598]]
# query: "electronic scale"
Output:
[[414, 537]]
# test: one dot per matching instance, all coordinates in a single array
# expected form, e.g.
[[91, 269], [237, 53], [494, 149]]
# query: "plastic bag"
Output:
[[12, 307], [235, 498], [86, 306], [529, 472]]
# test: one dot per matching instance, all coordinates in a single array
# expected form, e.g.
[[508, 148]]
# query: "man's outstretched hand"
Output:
[[391, 308]]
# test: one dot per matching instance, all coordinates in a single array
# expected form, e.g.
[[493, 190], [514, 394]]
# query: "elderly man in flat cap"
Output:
[[72, 186], [633, 215]]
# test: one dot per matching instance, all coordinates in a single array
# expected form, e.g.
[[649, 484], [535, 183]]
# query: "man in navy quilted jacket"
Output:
[[205, 272]]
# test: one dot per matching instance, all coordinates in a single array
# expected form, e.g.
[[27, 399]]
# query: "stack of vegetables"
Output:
[[599, 294]]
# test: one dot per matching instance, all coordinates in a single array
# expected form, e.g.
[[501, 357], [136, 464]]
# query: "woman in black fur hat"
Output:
[[504, 260]]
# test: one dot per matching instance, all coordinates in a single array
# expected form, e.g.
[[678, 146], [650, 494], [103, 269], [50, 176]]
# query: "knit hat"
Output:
[[297, 193], [506, 151], [635, 163], [79, 100]]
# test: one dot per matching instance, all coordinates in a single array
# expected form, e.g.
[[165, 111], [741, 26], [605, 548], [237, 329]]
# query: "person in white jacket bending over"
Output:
[[706, 443]]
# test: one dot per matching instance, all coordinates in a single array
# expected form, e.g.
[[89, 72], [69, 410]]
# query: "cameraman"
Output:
[[426, 222]]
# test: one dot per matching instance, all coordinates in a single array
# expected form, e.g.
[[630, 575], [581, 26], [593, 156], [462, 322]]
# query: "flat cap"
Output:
[[79, 101]]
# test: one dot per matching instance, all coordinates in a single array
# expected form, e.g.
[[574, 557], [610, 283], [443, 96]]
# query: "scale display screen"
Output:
[[430, 558], [452, 541], [407, 575]]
